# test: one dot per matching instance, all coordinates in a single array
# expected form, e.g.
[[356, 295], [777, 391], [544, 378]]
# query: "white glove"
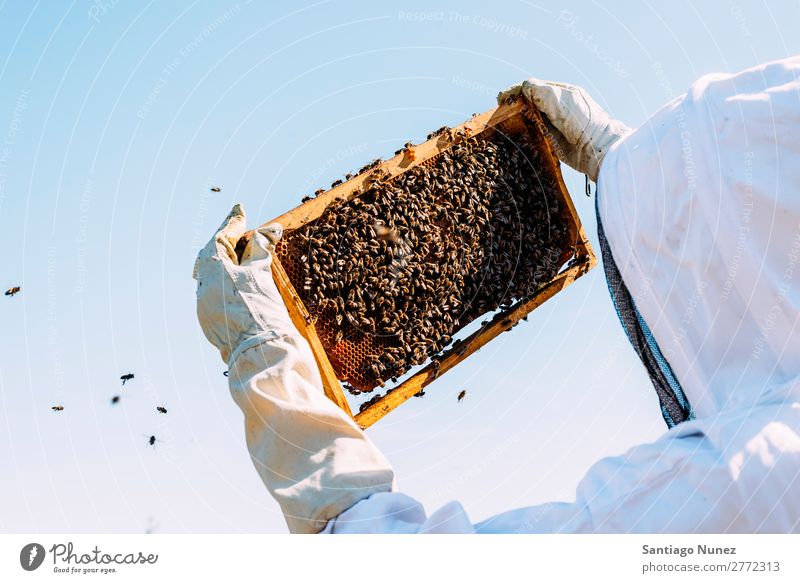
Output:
[[581, 131], [236, 302], [312, 457]]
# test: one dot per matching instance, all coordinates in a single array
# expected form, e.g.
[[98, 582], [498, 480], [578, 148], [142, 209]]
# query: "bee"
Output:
[[225, 373], [215, 189], [151, 440], [161, 409], [319, 191], [305, 199], [126, 377], [57, 408], [371, 165], [336, 183], [378, 175], [461, 395], [12, 291], [115, 399], [439, 132], [385, 233]]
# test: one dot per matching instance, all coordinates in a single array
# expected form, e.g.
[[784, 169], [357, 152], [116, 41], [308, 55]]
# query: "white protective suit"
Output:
[[701, 209]]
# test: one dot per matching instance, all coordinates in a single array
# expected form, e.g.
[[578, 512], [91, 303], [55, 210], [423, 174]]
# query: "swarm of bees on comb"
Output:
[[391, 275]]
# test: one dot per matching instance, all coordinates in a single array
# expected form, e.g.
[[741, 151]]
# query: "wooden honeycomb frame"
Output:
[[577, 262]]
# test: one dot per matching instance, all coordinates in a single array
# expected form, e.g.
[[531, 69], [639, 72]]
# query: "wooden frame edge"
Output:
[[303, 322]]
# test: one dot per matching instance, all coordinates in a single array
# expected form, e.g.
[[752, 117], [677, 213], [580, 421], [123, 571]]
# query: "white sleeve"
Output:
[[314, 460], [683, 482], [311, 456]]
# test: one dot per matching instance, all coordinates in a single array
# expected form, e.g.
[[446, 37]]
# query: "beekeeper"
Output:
[[699, 222]]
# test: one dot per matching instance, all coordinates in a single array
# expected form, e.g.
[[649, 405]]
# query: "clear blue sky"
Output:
[[116, 116]]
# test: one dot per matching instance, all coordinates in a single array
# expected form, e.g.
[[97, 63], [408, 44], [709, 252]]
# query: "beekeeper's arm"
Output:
[[580, 131], [311, 456]]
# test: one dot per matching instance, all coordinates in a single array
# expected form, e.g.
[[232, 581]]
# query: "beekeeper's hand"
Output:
[[311, 455], [580, 130], [238, 301]]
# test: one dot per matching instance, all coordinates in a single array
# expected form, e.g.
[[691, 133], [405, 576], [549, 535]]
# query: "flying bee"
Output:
[[12, 291], [215, 189], [151, 440], [225, 373], [57, 408], [461, 395], [115, 399], [126, 377], [161, 409]]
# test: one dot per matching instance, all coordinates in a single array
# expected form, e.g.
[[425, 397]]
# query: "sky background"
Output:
[[115, 119]]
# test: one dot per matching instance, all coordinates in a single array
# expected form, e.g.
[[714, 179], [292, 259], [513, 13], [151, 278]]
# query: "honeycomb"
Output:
[[357, 346]]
